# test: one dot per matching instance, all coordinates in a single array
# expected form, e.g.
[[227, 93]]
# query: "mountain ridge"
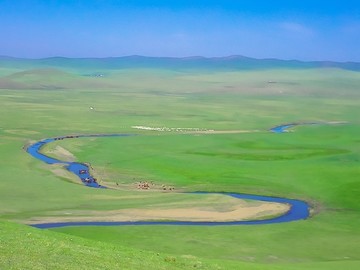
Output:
[[231, 62]]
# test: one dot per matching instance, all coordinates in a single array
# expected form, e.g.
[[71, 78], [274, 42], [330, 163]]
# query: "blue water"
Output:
[[299, 210], [284, 128], [81, 170]]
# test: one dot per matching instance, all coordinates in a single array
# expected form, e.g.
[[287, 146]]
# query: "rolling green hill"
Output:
[[53, 97]]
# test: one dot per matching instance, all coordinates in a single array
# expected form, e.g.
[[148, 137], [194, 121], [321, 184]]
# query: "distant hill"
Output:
[[235, 62], [45, 78]]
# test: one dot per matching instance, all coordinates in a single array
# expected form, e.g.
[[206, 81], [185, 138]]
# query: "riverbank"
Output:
[[291, 210]]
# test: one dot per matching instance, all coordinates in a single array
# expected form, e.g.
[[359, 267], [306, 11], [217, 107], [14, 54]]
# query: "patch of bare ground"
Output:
[[59, 170], [194, 130], [215, 208], [224, 131], [61, 153]]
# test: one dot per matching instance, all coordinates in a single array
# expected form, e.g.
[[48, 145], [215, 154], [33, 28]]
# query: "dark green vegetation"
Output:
[[317, 163]]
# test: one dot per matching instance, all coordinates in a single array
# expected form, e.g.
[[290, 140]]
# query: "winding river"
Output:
[[285, 127], [299, 210]]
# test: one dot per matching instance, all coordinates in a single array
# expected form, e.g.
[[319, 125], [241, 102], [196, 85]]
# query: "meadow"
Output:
[[317, 163]]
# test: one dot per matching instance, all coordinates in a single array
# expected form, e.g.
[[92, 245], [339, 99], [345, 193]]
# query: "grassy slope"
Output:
[[317, 163], [297, 164], [23, 247], [221, 101]]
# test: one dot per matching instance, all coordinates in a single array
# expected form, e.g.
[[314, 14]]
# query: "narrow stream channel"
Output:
[[299, 210]]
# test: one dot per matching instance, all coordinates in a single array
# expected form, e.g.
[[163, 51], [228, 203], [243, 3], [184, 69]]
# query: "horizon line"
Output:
[[191, 57]]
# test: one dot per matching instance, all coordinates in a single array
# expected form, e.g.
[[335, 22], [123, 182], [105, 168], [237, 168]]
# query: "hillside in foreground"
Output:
[[23, 247]]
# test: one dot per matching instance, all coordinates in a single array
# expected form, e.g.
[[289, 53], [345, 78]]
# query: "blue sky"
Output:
[[304, 30]]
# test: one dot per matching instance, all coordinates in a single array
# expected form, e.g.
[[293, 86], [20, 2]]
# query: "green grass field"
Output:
[[319, 164]]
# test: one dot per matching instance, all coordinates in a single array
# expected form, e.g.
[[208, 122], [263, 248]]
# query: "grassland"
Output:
[[315, 163]]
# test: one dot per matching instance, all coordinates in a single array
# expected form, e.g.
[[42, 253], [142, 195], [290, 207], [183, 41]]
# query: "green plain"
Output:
[[317, 163]]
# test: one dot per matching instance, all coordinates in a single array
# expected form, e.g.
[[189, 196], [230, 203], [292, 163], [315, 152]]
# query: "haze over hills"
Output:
[[48, 78], [69, 73], [235, 62]]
